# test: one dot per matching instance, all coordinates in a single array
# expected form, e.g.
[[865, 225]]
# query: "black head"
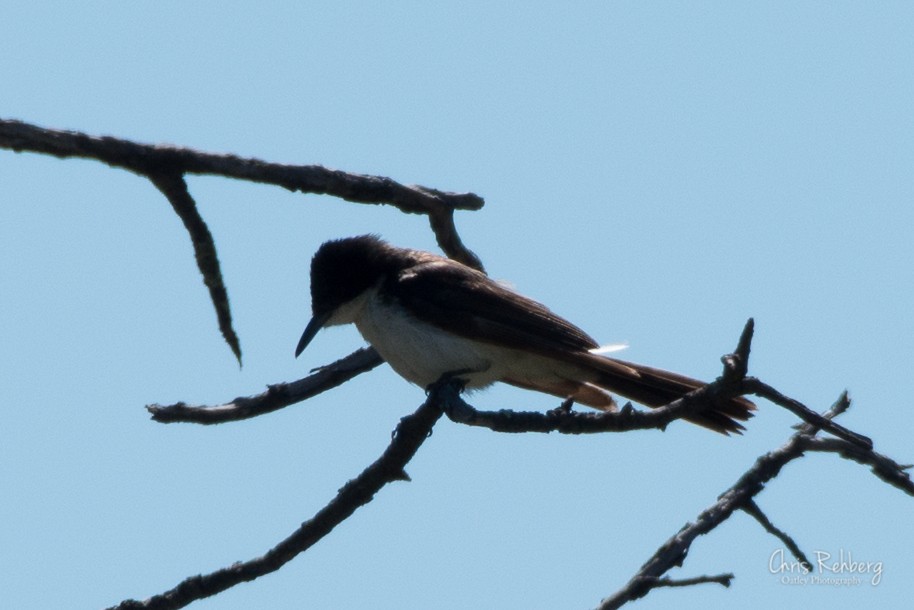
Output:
[[343, 269]]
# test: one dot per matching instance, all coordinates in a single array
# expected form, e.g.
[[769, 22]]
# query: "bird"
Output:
[[429, 316]]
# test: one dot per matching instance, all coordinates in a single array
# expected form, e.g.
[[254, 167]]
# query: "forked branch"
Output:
[[166, 167]]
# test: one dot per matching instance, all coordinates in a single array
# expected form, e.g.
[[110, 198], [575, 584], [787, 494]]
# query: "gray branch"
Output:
[[276, 397], [166, 166]]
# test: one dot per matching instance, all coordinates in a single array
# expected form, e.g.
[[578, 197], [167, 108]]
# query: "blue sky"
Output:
[[655, 172]]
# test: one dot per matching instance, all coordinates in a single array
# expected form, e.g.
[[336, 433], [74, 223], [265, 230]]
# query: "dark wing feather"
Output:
[[468, 303]]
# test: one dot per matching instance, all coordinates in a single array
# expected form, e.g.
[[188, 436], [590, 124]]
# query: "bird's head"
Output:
[[342, 271]]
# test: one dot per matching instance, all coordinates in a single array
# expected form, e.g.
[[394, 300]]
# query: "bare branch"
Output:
[[174, 187], [721, 579], [884, 467], [838, 407], [736, 365], [408, 437], [276, 397], [751, 385], [166, 167], [566, 421], [752, 509], [145, 159], [442, 224]]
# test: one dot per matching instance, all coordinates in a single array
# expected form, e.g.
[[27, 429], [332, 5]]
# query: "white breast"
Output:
[[420, 352]]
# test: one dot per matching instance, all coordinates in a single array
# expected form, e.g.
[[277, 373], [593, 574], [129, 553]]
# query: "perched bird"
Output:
[[427, 316]]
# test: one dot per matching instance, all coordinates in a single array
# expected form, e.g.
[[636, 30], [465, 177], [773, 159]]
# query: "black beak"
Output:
[[316, 323]]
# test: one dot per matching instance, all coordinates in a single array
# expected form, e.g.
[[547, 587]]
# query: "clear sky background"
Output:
[[656, 172]]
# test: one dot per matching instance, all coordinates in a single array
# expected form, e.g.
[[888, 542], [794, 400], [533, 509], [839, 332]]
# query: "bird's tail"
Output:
[[643, 384], [656, 387]]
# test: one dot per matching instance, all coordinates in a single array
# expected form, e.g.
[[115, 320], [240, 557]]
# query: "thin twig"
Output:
[[174, 187], [752, 385], [276, 397], [882, 466], [838, 407], [721, 579], [442, 224], [736, 365], [752, 509]]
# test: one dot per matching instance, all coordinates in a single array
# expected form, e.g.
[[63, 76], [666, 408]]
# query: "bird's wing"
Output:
[[468, 303]]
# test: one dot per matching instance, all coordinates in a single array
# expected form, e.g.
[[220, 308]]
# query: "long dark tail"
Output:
[[594, 376], [656, 387]]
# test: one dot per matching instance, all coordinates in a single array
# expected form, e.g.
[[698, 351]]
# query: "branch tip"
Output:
[[720, 579], [276, 396], [736, 365], [171, 183], [745, 339], [402, 476], [841, 405]]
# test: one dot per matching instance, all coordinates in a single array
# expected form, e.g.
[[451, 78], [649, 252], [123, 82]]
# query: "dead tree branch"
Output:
[[409, 435], [882, 466], [144, 159], [174, 187], [721, 579], [752, 509], [166, 166], [276, 397]]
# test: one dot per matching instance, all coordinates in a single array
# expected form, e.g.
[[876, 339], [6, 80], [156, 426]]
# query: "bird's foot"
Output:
[[563, 408], [450, 378]]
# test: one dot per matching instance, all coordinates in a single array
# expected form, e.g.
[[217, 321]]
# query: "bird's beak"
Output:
[[316, 323]]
